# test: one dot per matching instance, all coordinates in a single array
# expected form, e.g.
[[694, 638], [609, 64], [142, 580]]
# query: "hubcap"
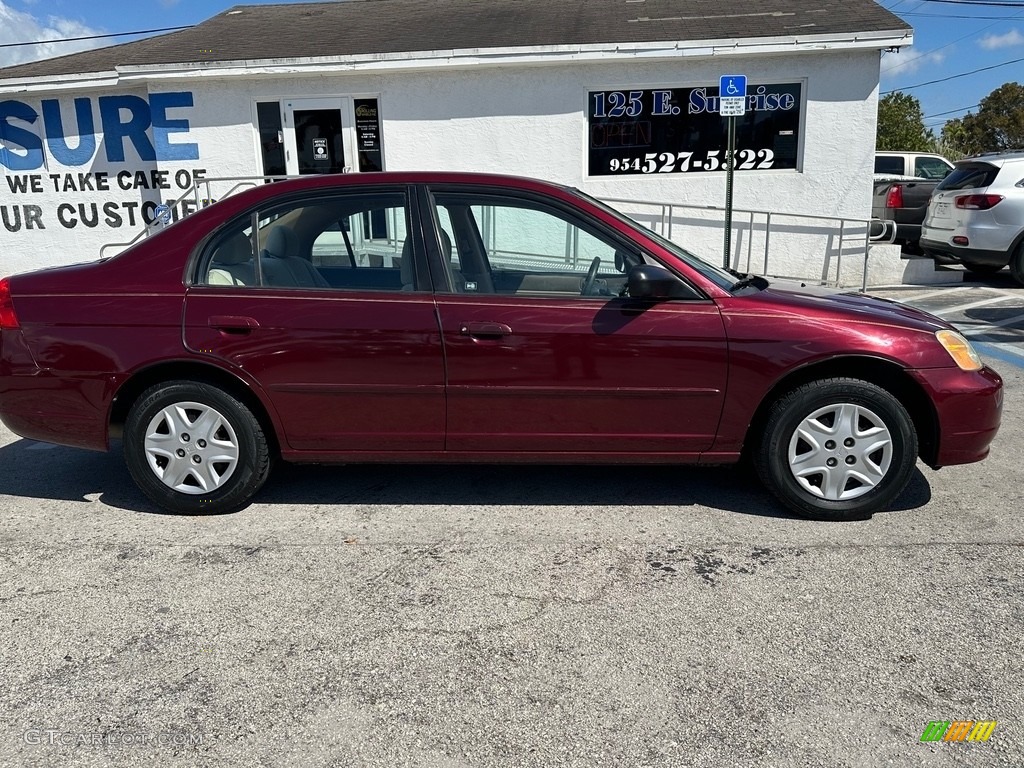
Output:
[[840, 452], [191, 447]]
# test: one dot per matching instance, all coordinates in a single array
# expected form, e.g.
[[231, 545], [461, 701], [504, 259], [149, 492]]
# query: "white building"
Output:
[[616, 97]]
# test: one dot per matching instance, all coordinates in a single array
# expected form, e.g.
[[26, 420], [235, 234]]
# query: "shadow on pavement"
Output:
[[1001, 279], [40, 471]]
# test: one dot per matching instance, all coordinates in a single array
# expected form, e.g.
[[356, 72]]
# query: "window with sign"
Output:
[[682, 130]]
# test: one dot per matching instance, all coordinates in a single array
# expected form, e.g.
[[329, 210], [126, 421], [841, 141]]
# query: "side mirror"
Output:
[[650, 281]]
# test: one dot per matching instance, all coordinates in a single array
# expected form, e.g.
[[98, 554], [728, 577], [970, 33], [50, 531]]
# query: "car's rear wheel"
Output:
[[194, 449], [1017, 264], [837, 449]]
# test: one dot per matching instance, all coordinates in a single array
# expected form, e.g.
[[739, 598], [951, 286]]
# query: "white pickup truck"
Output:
[[918, 165]]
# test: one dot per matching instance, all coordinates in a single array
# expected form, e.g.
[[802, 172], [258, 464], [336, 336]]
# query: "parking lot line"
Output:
[[1003, 353], [995, 324], [933, 294], [964, 307]]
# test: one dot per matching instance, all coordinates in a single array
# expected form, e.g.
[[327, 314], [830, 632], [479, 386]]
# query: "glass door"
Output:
[[318, 136]]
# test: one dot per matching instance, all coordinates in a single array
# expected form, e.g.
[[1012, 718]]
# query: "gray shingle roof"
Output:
[[360, 27]]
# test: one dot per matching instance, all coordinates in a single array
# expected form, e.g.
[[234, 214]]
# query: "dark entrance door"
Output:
[[318, 141], [317, 136]]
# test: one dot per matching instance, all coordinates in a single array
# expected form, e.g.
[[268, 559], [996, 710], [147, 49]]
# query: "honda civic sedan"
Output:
[[437, 317]]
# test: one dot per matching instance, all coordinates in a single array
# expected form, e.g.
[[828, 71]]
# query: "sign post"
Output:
[[732, 103]]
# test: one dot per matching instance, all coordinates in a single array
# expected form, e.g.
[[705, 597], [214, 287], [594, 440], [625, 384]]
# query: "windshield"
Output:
[[717, 275]]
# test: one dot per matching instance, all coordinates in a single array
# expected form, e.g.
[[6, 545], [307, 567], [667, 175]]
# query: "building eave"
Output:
[[456, 59]]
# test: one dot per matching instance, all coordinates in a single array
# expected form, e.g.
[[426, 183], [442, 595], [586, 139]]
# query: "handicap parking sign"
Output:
[[732, 86], [732, 95]]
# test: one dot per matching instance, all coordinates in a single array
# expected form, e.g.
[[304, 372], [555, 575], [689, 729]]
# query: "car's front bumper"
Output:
[[968, 407]]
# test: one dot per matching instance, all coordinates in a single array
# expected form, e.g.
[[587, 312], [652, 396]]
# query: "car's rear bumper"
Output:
[[35, 403], [968, 407], [964, 255]]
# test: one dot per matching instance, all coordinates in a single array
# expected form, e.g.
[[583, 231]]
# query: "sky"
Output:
[[951, 37]]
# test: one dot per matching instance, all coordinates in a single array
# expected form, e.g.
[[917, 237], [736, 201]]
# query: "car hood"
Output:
[[843, 305]]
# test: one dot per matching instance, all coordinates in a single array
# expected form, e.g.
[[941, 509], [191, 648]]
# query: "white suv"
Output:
[[976, 214]]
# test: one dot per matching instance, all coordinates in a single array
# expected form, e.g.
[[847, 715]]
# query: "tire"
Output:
[[194, 449], [1017, 264], [983, 269], [823, 422]]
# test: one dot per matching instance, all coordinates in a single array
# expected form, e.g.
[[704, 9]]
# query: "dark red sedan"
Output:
[[419, 317]]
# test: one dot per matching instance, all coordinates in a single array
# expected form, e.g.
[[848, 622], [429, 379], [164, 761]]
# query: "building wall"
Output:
[[528, 120]]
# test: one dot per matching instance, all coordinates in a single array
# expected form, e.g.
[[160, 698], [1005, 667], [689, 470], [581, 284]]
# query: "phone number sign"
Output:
[[682, 130]]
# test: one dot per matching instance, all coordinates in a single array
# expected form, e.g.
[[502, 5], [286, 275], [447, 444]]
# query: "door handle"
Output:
[[485, 330], [232, 323]]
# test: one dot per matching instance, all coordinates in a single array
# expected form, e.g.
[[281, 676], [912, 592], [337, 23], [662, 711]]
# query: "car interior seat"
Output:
[[232, 263], [283, 266], [407, 267], [446, 255], [473, 275]]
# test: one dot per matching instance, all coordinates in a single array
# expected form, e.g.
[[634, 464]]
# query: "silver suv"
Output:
[[976, 214]]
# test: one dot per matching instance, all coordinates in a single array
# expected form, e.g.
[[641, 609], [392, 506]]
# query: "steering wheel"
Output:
[[588, 281]]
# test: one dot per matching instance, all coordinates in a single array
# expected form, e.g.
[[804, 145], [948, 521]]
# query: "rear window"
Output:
[[969, 176]]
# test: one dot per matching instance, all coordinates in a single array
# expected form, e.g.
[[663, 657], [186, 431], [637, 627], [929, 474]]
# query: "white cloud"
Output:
[[906, 62], [18, 27], [169, 3], [1010, 39]]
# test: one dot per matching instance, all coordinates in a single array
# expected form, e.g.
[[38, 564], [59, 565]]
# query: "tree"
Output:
[[953, 144], [998, 124], [901, 125]]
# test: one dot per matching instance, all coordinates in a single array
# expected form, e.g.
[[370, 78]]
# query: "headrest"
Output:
[[237, 249], [280, 242]]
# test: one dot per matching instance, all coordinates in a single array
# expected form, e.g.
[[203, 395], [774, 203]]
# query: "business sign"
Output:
[[92, 162], [320, 151], [368, 139], [682, 130], [145, 125]]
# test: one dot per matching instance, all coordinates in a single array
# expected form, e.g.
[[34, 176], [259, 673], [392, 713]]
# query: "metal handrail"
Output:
[[876, 231], [193, 193]]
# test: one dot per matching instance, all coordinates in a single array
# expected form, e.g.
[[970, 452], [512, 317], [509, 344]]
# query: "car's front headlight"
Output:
[[960, 350]]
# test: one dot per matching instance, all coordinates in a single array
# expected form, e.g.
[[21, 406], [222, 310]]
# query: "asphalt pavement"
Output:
[[444, 617]]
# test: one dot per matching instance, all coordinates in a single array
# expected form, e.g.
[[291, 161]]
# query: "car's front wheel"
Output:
[[194, 449], [837, 449]]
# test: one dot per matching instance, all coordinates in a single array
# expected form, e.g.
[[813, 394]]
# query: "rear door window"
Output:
[[348, 241]]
